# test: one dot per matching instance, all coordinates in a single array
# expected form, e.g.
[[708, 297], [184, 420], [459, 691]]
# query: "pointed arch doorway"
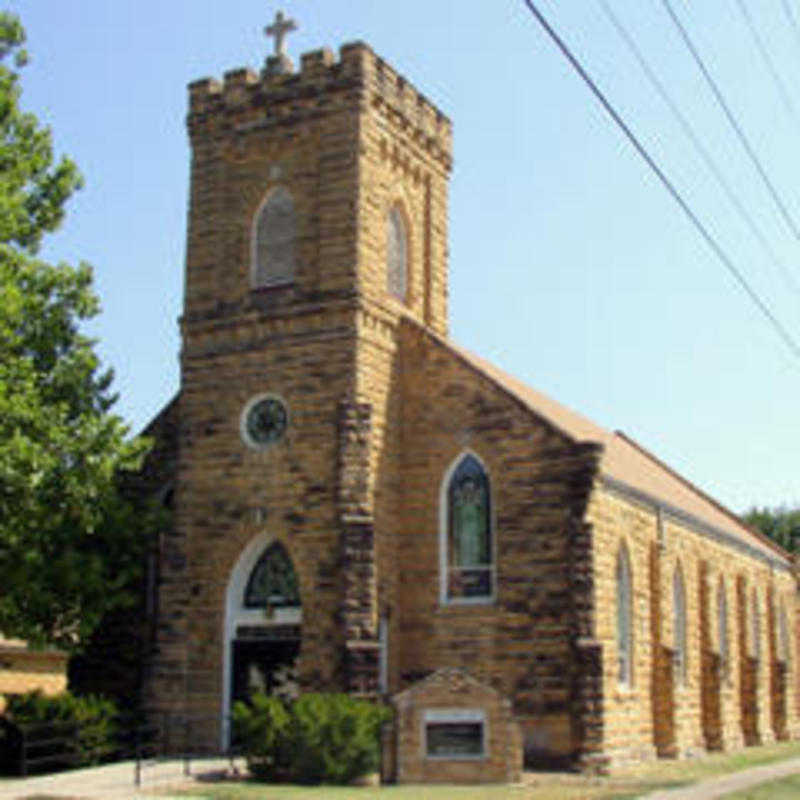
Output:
[[263, 616]]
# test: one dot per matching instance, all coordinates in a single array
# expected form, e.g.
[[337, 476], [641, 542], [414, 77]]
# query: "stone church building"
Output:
[[361, 505]]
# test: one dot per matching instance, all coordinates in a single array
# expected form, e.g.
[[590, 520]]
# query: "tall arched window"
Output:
[[679, 625], [722, 629], [274, 235], [273, 582], [756, 633], [396, 254], [783, 635], [467, 547], [624, 618]]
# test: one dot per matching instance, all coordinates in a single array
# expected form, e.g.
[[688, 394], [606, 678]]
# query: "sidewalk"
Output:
[[733, 782], [112, 781]]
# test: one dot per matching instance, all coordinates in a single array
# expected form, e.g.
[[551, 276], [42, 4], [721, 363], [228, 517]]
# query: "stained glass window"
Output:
[[783, 636], [624, 618], [396, 254], [756, 619], [679, 621], [469, 533], [722, 624], [274, 240], [273, 582]]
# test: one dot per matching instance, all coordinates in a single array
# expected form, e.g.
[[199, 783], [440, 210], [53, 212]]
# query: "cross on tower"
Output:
[[279, 29]]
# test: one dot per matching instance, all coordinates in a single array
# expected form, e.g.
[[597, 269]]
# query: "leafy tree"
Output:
[[781, 524], [68, 540]]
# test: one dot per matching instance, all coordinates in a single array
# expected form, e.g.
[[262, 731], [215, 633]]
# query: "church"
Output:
[[360, 505]]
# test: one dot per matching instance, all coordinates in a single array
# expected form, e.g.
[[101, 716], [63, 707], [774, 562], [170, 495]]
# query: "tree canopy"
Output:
[[781, 524], [69, 542]]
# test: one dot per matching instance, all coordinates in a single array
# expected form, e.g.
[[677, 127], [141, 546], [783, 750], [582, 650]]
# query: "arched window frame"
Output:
[[624, 591], [784, 635], [237, 614], [256, 280], [396, 218], [275, 550], [679, 625], [723, 637], [755, 622], [445, 568]]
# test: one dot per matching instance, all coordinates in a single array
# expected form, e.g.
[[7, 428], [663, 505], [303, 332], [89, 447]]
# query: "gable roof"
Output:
[[627, 466]]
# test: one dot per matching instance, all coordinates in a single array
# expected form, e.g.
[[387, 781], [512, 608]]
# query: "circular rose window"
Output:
[[264, 421]]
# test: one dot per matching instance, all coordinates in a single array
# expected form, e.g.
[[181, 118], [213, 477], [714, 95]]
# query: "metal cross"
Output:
[[279, 29]]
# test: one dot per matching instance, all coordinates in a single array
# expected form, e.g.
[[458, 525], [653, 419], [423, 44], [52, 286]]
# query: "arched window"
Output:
[[783, 635], [273, 582], [624, 618], [396, 254], [467, 546], [679, 625], [722, 629], [274, 235], [756, 633]]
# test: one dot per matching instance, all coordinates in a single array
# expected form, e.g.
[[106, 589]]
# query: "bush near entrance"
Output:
[[318, 738]]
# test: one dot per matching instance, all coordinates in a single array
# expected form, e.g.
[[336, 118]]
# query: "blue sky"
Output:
[[570, 265]]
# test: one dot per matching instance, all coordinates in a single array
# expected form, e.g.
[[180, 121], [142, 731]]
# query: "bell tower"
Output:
[[317, 223]]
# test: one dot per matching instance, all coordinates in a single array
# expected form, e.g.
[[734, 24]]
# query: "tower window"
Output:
[[396, 254], [274, 236]]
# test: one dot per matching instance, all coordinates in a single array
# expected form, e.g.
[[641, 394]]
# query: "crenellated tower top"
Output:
[[320, 189], [245, 99]]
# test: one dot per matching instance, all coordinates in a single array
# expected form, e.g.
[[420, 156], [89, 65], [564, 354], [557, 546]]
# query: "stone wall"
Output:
[[523, 641], [715, 708]]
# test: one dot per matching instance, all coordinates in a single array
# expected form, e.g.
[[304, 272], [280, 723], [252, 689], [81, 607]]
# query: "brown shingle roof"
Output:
[[623, 460]]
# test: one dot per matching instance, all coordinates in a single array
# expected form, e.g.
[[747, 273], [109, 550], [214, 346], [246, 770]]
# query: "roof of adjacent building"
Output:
[[627, 464]]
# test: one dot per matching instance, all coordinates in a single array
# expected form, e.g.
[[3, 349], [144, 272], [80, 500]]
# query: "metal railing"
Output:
[[51, 746]]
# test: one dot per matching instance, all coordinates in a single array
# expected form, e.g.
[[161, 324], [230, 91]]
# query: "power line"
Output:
[[765, 57], [676, 196], [732, 121], [787, 10], [698, 145]]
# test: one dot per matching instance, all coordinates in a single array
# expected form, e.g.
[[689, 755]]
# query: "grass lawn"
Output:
[[629, 783], [782, 789]]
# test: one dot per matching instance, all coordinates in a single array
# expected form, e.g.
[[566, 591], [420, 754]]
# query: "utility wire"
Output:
[[732, 120], [667, 184], [787, 9], [706, 156], [765, 57]]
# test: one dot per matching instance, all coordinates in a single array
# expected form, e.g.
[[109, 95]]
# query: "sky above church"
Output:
[[570, 266]]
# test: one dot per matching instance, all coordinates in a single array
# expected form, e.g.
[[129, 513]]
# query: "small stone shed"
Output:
[[451, 728]]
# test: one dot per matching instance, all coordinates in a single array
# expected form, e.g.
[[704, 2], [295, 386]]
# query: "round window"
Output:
[[263, 421]]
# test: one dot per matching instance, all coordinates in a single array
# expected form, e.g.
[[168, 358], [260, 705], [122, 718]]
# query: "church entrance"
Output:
[[263, 621], [265, 660]]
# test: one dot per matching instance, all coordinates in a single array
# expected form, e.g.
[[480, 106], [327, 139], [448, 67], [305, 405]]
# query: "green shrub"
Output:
[[337, 738], [319, 738], [86, 725], [263, 729]]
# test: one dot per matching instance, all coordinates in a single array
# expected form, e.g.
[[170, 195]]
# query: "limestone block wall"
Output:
[[520, 643], [716, 706], [227, 494]]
